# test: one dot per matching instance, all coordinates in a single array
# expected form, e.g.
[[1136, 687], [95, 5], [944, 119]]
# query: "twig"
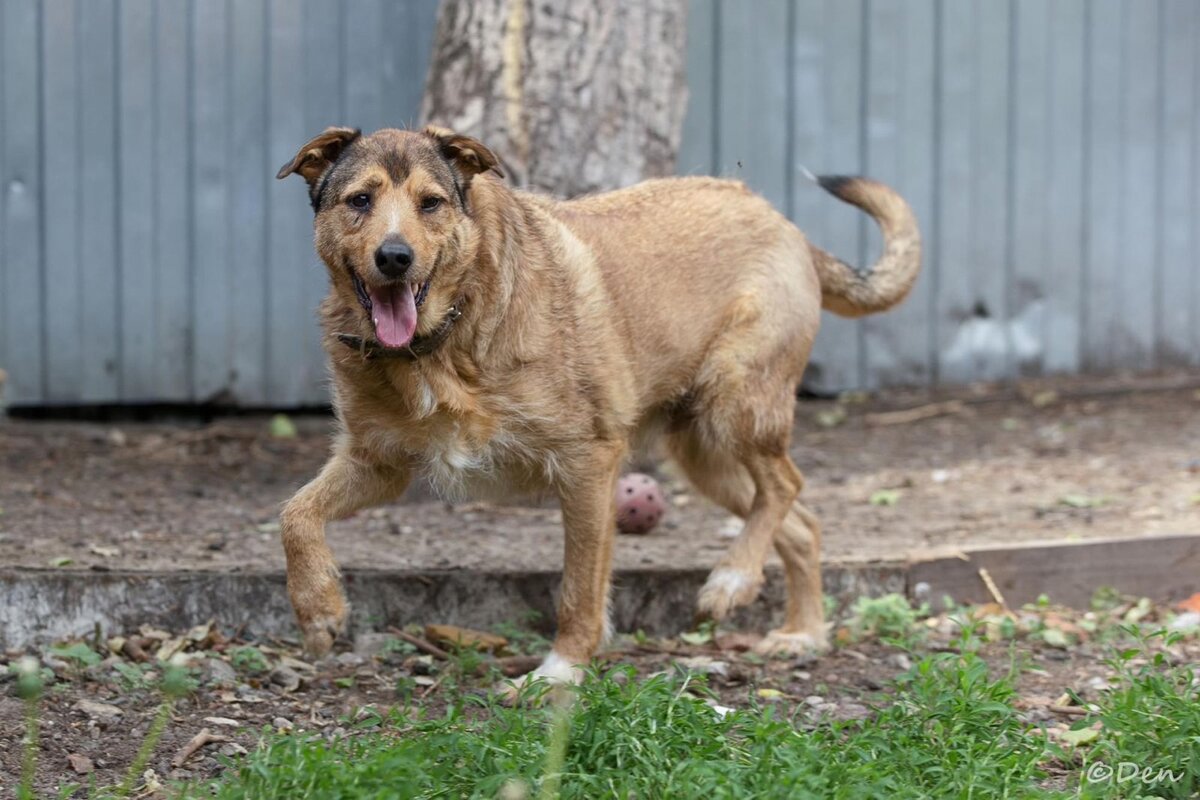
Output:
[[419, 643], [428, 690], [993, 590], [1074, 711], [907, 415], [204, 737], [516, 666]]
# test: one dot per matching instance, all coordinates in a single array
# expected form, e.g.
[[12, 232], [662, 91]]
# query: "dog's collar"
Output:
[[419, 346]]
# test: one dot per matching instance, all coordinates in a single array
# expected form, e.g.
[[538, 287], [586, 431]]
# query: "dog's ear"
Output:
[[319, 154], [471, 156]]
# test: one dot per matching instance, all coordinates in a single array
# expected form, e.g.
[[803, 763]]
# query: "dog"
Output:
[[485, 337]]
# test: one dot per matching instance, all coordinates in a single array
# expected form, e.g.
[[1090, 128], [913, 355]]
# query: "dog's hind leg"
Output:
[[343, 486], [797, 540]]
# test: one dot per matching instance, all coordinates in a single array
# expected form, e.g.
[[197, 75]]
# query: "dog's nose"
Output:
[[394, 258]]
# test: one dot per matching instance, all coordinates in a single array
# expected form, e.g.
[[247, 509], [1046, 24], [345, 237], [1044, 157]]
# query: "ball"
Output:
[[640, 503]]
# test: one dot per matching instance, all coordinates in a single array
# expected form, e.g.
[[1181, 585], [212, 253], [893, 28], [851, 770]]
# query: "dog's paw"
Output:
[[725, 590], [783, 644], [320, 634], [554, 670], [321, 612]]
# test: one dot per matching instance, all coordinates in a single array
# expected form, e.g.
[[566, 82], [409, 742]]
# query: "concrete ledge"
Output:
[[39, 605], [43, 605]]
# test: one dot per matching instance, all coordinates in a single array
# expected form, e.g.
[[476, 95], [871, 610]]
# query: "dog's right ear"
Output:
[[319, 154]]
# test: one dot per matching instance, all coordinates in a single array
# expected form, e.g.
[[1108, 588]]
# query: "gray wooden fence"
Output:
[[1051, 149]]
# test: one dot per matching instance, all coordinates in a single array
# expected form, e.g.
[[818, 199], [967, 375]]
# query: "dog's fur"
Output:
[[683, 306]]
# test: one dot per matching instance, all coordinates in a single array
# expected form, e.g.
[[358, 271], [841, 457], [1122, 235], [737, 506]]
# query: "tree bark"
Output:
[[575, 96]]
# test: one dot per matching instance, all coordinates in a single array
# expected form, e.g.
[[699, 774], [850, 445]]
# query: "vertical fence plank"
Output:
[[322, 98], [699, 124], [21, 264], [249, 172], [1179, 216], [172, 201], [1103, 235], [63, 193], [404, 83], [99, 263], [211, 281], [289, 246], [1064, 268], [752, 127], [363, 27], [837, 356], [1137, 276], [899, 127], [1031, 211], [135, 200], [973, 332]]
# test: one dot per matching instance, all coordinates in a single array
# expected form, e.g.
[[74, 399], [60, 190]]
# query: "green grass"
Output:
[[949, 731]]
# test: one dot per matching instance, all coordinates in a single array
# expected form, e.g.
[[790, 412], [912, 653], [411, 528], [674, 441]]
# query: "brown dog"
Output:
[[487, 337]]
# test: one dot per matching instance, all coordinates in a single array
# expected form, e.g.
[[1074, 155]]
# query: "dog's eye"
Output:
[[360, 202], [431, 203]]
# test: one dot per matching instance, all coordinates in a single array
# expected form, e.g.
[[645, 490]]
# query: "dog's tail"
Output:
[[851, 292]]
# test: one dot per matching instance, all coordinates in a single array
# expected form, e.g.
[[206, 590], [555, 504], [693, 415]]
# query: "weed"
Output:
[[249, 659], [889, 617]]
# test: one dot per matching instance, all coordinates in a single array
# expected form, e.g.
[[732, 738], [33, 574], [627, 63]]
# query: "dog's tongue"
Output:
[[395, 313]]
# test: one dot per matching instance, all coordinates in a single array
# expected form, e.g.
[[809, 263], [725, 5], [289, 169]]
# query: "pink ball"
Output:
[[640, 503]]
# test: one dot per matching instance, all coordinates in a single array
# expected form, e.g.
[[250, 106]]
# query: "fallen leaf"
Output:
[[1081, 501], [170, 647], [465, 637], [81, 764], [1056, 638], [1079, 737], [831, 418], [226, 721], [769, 694], [696, 638], [1191, 604], [61, 561], [1044, 398], [107, 551], [105, 711], [282, 427], [885, 497]]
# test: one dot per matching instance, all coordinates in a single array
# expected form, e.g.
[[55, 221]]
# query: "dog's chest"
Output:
[[464, 455]]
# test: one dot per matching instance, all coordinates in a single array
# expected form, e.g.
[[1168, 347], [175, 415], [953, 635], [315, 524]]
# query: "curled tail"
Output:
[[851, 292]]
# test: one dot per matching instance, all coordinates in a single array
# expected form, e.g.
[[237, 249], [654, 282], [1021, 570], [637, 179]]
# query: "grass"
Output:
[[949, 730], [949, 727]]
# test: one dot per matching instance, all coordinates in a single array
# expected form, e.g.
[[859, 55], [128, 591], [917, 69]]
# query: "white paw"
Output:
[[727, 589], [781, 643], [555, 670]]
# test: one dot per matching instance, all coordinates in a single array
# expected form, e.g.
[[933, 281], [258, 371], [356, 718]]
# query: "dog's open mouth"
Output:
[[392, 309]]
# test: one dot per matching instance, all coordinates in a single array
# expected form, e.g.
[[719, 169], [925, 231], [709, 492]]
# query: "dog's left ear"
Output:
[[471, 156], [315, 157]]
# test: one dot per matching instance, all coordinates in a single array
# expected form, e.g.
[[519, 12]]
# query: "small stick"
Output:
[[993, 590], [907, 415], [420, 644], [204, 737], [516, 666], [1074, 711]]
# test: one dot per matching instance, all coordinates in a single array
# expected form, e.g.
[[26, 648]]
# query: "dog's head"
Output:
[[393, 220]]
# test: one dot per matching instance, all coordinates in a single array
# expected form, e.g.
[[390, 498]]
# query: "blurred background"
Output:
[[1051, 150]]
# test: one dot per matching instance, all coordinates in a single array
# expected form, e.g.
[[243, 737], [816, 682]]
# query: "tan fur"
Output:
[[685, 304]]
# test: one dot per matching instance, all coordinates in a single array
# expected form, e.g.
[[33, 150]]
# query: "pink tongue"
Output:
[[395, 313]]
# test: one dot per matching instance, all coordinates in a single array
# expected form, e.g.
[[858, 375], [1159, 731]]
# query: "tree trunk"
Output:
[[575, 96]]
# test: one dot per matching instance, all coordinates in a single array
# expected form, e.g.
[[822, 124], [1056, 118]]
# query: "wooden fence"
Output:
[[1051, 149]]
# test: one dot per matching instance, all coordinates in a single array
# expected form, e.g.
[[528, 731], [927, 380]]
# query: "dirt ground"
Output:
[[95, 716], [1052, 460]]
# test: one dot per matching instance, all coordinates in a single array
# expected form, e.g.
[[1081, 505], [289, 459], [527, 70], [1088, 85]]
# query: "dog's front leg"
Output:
[[343, 486], [589, 522]]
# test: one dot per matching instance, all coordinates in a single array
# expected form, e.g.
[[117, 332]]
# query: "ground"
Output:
[[1055, 460], [1066, 459], [102, 699]]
